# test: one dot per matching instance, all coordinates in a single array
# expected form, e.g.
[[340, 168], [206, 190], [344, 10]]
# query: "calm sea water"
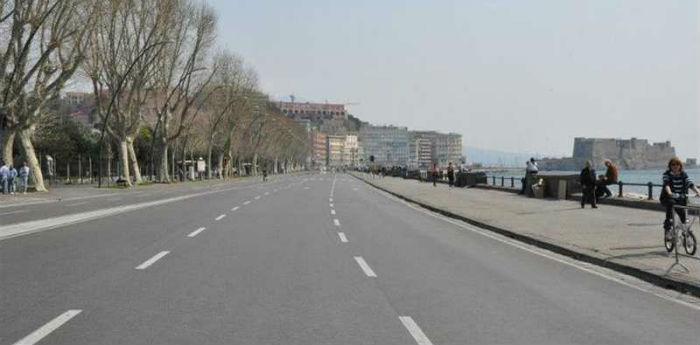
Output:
[[626, 176]]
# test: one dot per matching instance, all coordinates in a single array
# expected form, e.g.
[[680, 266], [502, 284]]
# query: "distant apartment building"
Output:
[[313, 111], [336, 148], [319, 148], [388, 144], [432, 147], [78, 98], [351, 151]]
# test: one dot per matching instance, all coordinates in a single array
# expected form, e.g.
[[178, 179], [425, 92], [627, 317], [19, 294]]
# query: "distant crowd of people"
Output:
[[11, 180]]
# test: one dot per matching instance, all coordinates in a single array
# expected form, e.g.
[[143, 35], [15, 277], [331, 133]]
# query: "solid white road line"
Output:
[[257, 197], [365, 267], [46, 329], [342, 237], [196, 232], [235, 208], [246, 202], [332, 211], [415, 331], [220, 217], [336, 222], [152, 260]]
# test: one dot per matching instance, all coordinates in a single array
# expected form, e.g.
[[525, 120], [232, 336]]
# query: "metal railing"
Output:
[[620, 185]]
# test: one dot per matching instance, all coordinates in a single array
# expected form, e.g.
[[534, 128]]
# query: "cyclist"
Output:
[[676, 184]]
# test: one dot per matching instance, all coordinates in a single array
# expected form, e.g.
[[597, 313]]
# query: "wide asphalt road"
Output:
[[310, 259]]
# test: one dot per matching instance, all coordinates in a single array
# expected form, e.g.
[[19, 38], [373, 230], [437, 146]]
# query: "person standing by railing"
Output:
[[451, 175], [434, 174], [676, 185], [4, 177], [588, 183], [531, 170], [611, 177]]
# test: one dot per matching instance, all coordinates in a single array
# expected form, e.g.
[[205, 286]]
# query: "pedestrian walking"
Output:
[[531, 170], [24, 177], [611, 177], [264, 174], [451, 174], [434, 174], [11, 179], [588, 182], [4, 176], [676, 184]]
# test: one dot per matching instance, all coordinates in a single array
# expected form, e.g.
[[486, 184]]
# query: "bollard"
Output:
[[512, 182], [651, 186], [503, 181], [619, 184]]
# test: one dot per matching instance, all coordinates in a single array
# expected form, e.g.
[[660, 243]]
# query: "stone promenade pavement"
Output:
[[626, 239]]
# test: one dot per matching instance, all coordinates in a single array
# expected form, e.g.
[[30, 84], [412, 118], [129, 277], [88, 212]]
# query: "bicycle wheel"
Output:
[[690, 243], [669, 243]]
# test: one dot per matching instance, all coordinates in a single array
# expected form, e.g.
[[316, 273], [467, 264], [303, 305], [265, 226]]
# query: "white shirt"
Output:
[[531, 167]]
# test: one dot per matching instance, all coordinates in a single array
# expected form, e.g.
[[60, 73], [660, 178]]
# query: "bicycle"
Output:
[[682, 233]]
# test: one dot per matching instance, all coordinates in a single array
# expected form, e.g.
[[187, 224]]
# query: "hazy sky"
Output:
[[524, 76]]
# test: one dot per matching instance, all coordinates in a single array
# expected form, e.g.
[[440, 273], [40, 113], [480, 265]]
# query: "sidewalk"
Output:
[[624, 239]]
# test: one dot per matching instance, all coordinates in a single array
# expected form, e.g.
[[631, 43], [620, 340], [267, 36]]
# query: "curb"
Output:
[[657, 280]]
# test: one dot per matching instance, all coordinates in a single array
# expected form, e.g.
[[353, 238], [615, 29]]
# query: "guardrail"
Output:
[[620, 185]]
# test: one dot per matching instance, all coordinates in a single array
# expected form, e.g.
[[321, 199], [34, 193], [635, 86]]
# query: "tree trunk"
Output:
[[108, 155], [163, 163], [274, 170], [221, 166], [124, 159], [254, 168], [134, 161], [8, 142], [25, 137], [210, 148]]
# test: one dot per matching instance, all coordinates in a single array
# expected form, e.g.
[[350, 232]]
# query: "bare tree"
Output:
[[42, 46], [182, 75], [129, 37]]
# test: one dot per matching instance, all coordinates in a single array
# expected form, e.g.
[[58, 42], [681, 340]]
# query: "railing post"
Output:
[[494, 180], [619, 185], [512, 182], [651, 186], [503, 181]]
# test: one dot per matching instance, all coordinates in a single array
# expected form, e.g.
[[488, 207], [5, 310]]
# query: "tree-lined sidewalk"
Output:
[[627, 239]]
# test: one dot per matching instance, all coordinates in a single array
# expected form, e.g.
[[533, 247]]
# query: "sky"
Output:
[[518, 76]]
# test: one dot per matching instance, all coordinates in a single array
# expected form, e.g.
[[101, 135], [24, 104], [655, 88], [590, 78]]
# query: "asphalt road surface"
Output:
[[308, 259]]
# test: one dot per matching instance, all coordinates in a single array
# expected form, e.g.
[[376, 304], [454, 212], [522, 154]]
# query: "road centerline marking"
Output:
[[152, 260], [343, 238], [235, 208], [416, 332], [246, 202], [331, 205], [332, 211], [196, 232], [221, 217], [49, 327], [257, 197], [365, 267], [336, 222]]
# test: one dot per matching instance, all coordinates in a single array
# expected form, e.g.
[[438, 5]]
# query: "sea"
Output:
[[626, 176]]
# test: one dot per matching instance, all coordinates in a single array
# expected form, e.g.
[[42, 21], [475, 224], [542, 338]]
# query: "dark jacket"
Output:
[[588, 177]]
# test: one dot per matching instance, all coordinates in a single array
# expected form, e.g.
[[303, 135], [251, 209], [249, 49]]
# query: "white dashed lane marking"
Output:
[[152, 260], [246, 202], [221, 217], [257, 197], [196, 232], [46, 329], [336, 222], [416, 332], [365, 267], [343, 238], [332, 211], [235, 208]]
